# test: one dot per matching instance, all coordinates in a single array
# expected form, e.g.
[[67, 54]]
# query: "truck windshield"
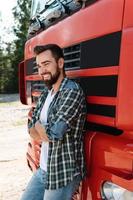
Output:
[[37, 7]]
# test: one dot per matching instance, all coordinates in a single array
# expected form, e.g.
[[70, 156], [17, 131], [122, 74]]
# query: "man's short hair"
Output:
[[56, 51]]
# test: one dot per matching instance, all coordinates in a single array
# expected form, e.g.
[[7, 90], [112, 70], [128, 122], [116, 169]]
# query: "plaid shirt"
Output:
[[66, 117]]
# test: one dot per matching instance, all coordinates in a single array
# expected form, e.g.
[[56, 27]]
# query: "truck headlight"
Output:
[[111, 191]]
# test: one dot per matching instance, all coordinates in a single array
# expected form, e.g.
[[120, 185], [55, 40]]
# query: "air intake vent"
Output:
[[72, 57], [35, 69], [37, 86]]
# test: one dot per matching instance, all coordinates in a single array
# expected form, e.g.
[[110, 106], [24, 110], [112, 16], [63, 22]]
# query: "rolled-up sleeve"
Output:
[[69, 108]]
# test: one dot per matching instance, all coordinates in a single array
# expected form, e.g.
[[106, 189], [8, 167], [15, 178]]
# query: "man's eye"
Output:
[[46, 64]]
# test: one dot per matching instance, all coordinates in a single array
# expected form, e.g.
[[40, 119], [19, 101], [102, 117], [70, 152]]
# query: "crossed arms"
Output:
[[38, 132], [71, 105]]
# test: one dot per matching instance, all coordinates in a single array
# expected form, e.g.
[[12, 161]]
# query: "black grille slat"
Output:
[[104, 110], [100, 85], [101, 52], [103, 128]]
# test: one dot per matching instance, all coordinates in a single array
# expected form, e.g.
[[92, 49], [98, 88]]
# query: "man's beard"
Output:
[[52, 80]]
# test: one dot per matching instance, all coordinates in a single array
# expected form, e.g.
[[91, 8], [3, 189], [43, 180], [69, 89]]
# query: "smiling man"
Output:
[[58, 122]]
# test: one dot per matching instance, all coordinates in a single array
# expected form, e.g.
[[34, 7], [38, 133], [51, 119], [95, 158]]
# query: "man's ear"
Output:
[[61, 63]]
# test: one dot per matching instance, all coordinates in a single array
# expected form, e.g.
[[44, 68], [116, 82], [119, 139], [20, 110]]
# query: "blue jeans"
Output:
[[36, 188]]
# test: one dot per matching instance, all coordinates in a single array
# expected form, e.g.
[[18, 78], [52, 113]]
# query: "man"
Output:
[[58, 122]]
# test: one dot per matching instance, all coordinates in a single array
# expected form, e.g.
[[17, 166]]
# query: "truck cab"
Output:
[[97, 40]]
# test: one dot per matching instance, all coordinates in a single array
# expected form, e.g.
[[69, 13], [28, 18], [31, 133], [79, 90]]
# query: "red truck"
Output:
[[97, 40]]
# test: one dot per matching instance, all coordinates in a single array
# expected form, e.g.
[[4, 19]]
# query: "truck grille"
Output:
[[72, 57]]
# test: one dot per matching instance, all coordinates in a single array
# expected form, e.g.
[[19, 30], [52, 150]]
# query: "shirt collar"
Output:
[[63, 83]]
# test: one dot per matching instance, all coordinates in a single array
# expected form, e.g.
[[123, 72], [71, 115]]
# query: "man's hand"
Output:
[[41, 131], [34, 134]]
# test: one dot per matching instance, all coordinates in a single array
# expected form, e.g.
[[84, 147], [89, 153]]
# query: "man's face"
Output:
[[48, 67]]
